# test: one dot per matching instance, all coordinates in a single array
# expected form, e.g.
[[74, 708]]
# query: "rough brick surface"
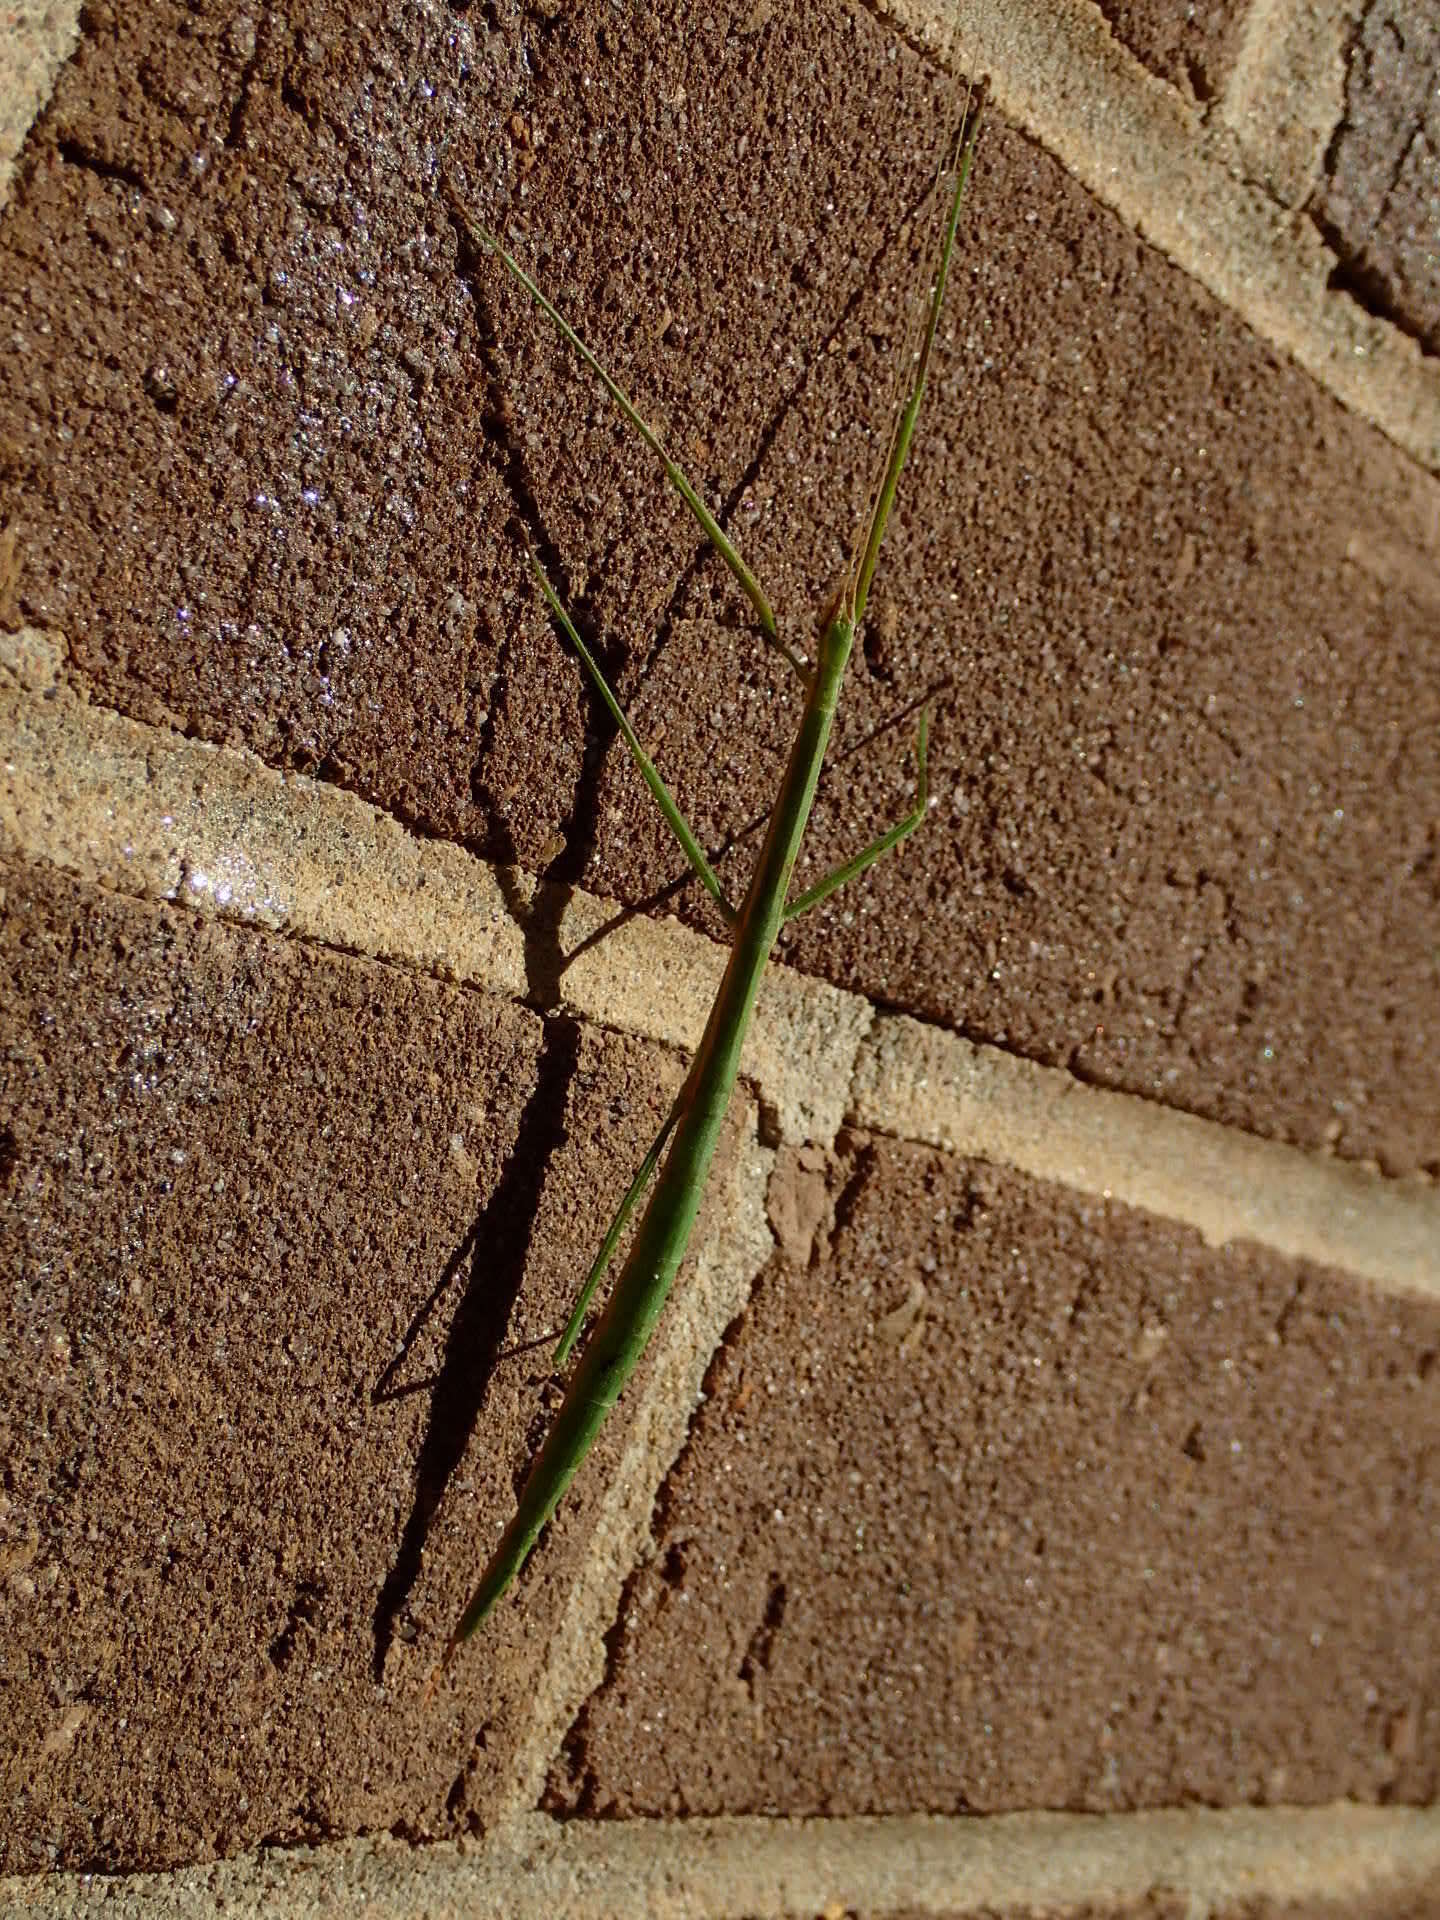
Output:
[[267, 464], [1007, 1501], [1015, 1501]]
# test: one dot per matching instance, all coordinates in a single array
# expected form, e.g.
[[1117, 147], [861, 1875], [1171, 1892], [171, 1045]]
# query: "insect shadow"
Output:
[[492, 1257]]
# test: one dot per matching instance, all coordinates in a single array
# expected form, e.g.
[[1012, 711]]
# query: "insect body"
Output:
[[692, 1127]]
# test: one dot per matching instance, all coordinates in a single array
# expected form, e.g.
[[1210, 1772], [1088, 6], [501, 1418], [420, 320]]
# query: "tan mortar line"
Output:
[[1178, 179], [924, 1084], [542, 1869], [143, 811], [1286, 92]]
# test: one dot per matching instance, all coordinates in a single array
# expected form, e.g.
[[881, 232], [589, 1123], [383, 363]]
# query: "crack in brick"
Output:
[[75, 153]]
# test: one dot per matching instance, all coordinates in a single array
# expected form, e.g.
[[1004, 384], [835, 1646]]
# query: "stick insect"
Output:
[[692, 1126]]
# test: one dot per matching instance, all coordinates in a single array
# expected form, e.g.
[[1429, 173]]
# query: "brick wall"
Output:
[[1028, 1504]]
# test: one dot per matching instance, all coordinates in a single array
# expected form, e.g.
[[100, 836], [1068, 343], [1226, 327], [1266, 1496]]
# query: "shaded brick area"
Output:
[[243, 417], [1379, 201], [1018, 1502], [265, 1215], [1190, 43], [228, 1190]]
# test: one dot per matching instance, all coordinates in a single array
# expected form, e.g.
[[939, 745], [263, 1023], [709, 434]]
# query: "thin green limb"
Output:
[[679, 826], [900, 831], [612, 1238], [905, 426], [711, 526]]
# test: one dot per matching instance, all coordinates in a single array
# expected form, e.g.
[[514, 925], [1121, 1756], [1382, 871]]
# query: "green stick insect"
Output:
[[692, 1126]]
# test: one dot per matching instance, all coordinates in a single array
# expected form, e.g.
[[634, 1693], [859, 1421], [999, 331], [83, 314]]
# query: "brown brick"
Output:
[[267, 1213], [1021, 1502], [1180, 649]]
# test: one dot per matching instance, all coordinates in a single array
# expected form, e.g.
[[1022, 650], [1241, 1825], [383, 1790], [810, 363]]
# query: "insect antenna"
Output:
[[913, 363]]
